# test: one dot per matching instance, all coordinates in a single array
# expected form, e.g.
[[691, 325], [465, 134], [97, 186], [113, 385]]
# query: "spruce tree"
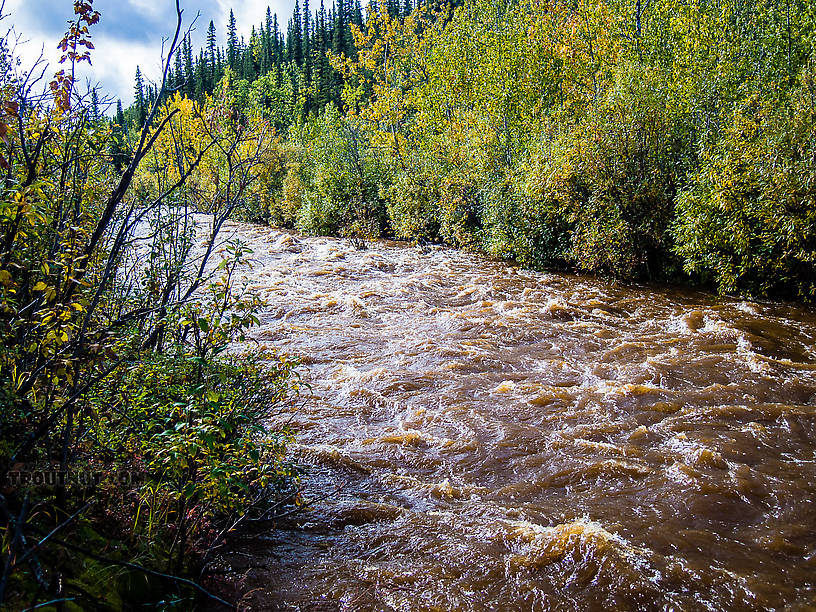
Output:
[[95, 115], [297, 35], [268, 22], [290, 45], [267, 49], [251, 55], [189, 67], [307, 51], [117, 148], [340, 27], [219, 66], [141, 111], [151, 96], [232, 42], [276, 44], [178, 72], [201, 87], [321, 76], [120, 114], [211, 44], [357, 15]]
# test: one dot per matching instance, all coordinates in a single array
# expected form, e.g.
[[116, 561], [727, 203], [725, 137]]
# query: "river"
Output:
[[482, 437]]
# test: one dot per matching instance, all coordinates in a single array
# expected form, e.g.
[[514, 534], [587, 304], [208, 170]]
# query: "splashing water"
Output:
[[504, 439]]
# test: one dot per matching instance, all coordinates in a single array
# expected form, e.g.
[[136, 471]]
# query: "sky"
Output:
[[129, 33]]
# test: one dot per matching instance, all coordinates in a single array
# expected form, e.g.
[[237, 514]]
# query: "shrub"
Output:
[[524, 217], [747, 223], [614, 177], [265, 201], [200, 429], [284, 211], [341, 176], [412, 202]]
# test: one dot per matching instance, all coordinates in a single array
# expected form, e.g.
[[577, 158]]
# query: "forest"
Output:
[[643, 140], [639, 140]]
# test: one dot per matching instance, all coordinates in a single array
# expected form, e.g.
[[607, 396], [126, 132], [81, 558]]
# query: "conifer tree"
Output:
[[117, 148], [290, 44], [276, 45], [177, 81], [267, 59], [268, 22], [151, 96], [211, 44], [189, 68], [297, 35], [357, 15], [340, 28], [321, 76], [201, 86], [139, 93], [120, 114], [306, 28], [232, 42], [95, 115], [249, 68], [307, 52]]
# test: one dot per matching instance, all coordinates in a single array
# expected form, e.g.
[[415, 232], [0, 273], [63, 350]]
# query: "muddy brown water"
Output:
[[489, 438]]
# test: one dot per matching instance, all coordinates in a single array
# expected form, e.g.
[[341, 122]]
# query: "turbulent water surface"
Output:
[[491, 438]]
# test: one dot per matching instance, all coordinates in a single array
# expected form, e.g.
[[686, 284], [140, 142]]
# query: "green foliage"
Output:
[[198, 428], [615, 177], [284, 212], [412, 201], [597, 135], [524, 217], [285, 74], [113, 330], [225, 310], [340, 175], [748, 221]]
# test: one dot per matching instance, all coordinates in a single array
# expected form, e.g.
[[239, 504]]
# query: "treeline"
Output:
[[662, 139], [295, 75]]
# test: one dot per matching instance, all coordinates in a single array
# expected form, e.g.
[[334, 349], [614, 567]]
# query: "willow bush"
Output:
[[747, 222], [341, 175]]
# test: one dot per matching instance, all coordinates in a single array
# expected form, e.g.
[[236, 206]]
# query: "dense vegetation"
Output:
[[131, 440], [641, 139]]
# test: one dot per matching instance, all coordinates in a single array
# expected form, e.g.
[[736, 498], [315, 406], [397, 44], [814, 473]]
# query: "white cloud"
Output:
[[32, 40], [114, 65], [250, 13], [115, 57], [152, 7]]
